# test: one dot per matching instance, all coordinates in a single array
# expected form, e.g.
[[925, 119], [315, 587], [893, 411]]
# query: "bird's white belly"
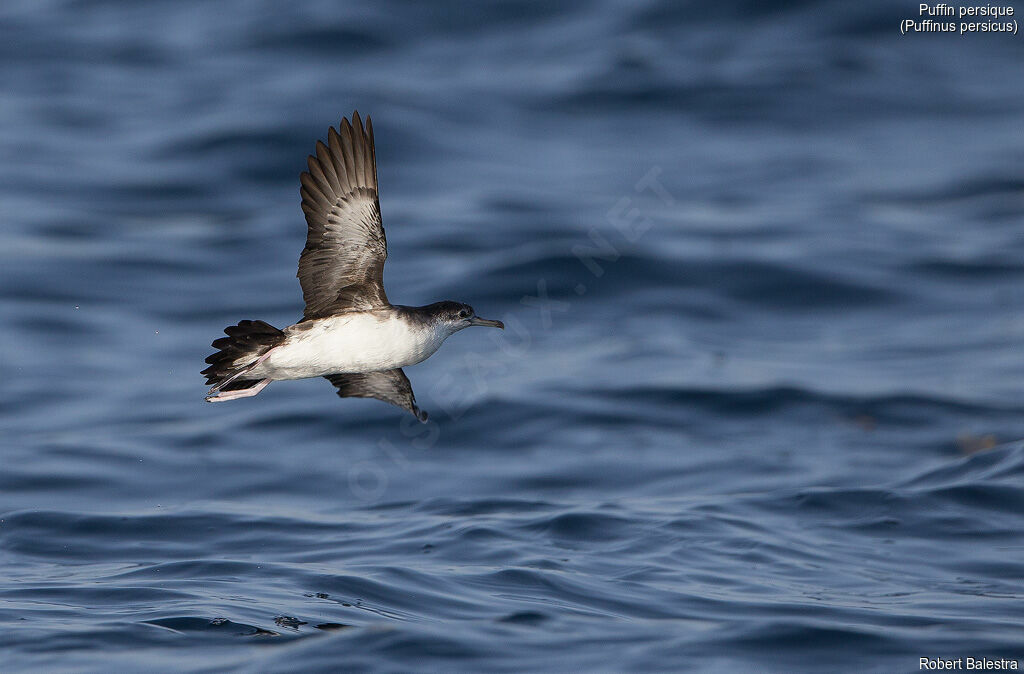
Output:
[[357, 342]]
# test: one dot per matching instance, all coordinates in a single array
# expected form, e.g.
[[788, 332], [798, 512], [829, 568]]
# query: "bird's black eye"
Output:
[[463, 314]]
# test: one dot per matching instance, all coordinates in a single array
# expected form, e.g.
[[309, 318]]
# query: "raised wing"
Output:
[[391, 386], [341, 268]]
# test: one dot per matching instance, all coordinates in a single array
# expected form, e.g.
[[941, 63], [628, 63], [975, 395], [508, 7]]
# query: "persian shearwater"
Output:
[[349, 333]]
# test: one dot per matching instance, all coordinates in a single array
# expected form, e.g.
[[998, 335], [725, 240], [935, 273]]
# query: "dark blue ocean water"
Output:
[[757, 407]]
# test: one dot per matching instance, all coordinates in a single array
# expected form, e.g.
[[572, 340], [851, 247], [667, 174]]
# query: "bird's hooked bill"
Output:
[[487, 323]]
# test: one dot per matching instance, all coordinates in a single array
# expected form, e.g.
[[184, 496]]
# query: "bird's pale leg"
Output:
[[221, 396], [248, 368]]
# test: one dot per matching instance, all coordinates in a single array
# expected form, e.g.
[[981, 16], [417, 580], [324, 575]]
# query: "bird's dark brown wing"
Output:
[[391, 386], [341, 268]]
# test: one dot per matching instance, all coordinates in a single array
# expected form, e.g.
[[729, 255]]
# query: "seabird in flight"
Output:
[[349, 333]]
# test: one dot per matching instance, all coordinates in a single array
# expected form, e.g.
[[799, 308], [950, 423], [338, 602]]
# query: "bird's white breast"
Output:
[[353, 342]]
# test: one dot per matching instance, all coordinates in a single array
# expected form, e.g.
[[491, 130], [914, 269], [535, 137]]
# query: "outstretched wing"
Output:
[[391, 386], [341, 268]]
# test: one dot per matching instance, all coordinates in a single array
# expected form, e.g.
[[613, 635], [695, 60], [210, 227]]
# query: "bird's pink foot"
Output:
[[221, 396]]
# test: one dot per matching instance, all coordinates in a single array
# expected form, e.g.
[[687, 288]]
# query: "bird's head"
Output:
[[456, 316]]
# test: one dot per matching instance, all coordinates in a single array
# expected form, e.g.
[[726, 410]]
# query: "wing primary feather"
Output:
[[358, 148], [321, 192], [322, 183], [323, 155], [337, 158], [373, 151], [310, 192], [347, 152]]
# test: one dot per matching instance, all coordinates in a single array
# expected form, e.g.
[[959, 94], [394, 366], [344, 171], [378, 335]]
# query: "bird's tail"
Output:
[[244, 344]]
